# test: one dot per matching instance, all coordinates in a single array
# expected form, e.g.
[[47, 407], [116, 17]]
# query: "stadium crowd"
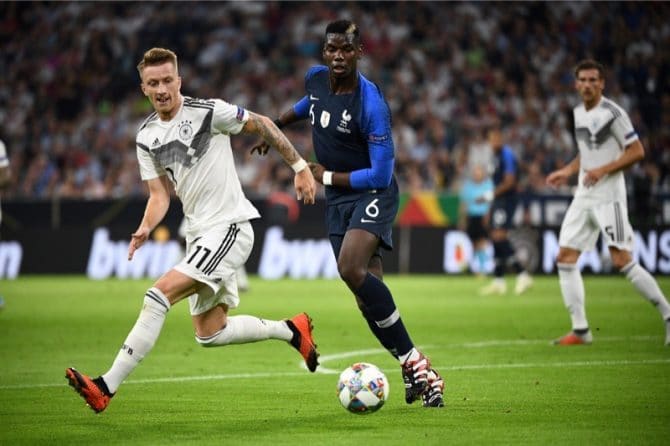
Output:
[[69, 102]]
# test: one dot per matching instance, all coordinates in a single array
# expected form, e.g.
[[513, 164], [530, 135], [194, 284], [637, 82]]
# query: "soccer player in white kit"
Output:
[[608, 144], [186, 142]]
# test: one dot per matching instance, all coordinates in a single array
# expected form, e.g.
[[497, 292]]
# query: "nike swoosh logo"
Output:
[[313, 98], [365, 220]]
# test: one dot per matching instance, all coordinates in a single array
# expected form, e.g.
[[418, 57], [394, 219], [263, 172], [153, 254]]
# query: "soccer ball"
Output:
[[362, 388]]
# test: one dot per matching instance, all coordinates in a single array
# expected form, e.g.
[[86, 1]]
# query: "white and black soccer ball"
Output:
[[362, 388]]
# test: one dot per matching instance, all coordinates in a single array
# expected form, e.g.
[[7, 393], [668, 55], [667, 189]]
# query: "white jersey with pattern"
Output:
[[602, 134], [193, 149]]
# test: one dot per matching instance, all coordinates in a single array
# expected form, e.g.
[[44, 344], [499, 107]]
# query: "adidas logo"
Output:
[[156, 142]]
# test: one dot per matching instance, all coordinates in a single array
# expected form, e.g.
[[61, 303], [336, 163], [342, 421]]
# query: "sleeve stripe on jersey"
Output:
[[630, 135], [142, 146], [150, 118], [611, 107], [199, 105], [223, 249], [202, 102]]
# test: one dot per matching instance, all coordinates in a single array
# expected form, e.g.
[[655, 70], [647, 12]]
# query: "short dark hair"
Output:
[[343, 27], [590, 64]]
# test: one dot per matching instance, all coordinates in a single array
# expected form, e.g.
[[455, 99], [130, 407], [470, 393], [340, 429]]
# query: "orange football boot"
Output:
[[94, 396], [301, 326], [573, 338]]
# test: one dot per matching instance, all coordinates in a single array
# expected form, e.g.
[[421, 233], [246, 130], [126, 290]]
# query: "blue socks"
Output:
[[380, 311]]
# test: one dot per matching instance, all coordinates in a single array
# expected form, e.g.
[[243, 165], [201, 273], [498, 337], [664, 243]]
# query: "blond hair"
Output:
[[157, 56]]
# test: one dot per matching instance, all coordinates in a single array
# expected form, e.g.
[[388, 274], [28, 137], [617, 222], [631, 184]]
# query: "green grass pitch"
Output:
[[505, 383]]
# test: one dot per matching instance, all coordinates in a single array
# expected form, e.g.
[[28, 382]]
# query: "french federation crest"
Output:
[[325, 119], [185, 131], [344, 122]]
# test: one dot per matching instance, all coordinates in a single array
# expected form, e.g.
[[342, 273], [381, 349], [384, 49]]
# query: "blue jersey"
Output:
[[350, 133], [505, 163], [471, 191]]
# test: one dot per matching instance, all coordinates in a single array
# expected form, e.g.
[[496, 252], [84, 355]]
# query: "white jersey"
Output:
[[193, 150], [602, 135]]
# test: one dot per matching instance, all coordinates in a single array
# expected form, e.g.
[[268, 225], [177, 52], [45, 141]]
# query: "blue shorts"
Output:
[[373, 212], [502, 213]]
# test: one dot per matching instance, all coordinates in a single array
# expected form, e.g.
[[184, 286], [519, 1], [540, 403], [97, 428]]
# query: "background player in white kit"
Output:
[[186, 142], [608, 144]]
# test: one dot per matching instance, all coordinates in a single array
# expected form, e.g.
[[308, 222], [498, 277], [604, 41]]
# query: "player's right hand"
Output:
[[137, 239], [262, 148], [305, 186], [557, 178]]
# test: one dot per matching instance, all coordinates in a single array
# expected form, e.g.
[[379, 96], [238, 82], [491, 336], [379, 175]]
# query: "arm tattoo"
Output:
[[273, 136]]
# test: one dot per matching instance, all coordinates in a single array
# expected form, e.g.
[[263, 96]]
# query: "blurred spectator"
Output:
[[68, 84]]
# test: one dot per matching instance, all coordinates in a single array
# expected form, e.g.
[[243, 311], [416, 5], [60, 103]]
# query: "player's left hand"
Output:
[[591, 177], [305, 186], [317, 170]]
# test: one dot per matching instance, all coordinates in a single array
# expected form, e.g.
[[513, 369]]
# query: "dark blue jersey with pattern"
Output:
[[505, 163], [350, 133]]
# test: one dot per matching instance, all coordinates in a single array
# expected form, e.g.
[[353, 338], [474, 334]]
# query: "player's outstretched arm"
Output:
[[562, 175], [157, 206], [286, 118], [305, 186]]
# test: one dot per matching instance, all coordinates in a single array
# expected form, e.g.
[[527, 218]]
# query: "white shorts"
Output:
[[583, 222], [212, 258]]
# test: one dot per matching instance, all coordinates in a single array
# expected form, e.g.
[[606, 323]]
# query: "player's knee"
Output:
[[567, 256], [620, 257], [353, 275], [620, 260]]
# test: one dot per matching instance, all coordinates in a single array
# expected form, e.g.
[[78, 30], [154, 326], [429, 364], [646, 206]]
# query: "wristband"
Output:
[[327, 178], [299, 165], [278, 123]]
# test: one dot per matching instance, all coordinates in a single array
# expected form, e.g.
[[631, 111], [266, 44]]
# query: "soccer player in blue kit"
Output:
[[505, 177], [351, 132]]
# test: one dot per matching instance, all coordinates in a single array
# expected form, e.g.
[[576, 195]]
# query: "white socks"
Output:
[[572, 289], [647, 287], [244, 329], [140, 340]]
